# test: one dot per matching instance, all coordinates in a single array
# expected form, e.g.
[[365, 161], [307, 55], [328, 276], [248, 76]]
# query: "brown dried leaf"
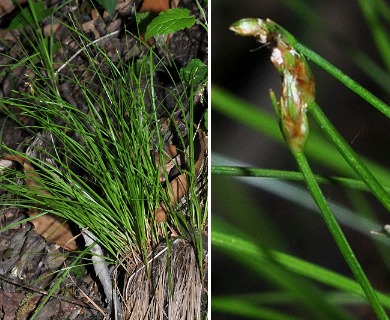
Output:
[[178, 186], [89, 26], [52, 228], [50, 29], [124, 8], [9, 303], [27, 305], [7, 6], [155, 6]]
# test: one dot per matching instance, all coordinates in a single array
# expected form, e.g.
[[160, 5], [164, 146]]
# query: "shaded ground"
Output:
[[28, 265]]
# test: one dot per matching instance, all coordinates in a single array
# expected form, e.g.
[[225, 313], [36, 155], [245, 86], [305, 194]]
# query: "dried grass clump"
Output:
[[172, 291]]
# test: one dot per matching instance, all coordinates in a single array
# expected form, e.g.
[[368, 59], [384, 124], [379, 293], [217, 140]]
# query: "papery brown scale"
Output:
[[304, 79]]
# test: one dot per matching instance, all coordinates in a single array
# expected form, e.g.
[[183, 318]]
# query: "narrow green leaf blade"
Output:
[[169, 21]]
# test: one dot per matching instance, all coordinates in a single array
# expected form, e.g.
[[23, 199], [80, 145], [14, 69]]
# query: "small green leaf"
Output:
[[109, 5], [26, 17], [78, 271], [195, 72], [142, 65], [169, 21], [141, 17]]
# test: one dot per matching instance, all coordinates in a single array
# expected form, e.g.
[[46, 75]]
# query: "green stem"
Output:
[[350, 156], [288, 175], [338, 235], [237, 246], [343, 78]]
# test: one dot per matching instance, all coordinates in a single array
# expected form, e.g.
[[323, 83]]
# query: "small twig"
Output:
[[90, 300], [83, 48], [44, 292]]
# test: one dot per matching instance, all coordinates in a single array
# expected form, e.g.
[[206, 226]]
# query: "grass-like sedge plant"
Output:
[[297, 99], [100, 168]]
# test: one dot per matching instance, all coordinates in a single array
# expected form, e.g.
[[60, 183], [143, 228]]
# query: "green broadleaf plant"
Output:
[[109, 5], [195, 72], [168, 22], [29, 15]]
